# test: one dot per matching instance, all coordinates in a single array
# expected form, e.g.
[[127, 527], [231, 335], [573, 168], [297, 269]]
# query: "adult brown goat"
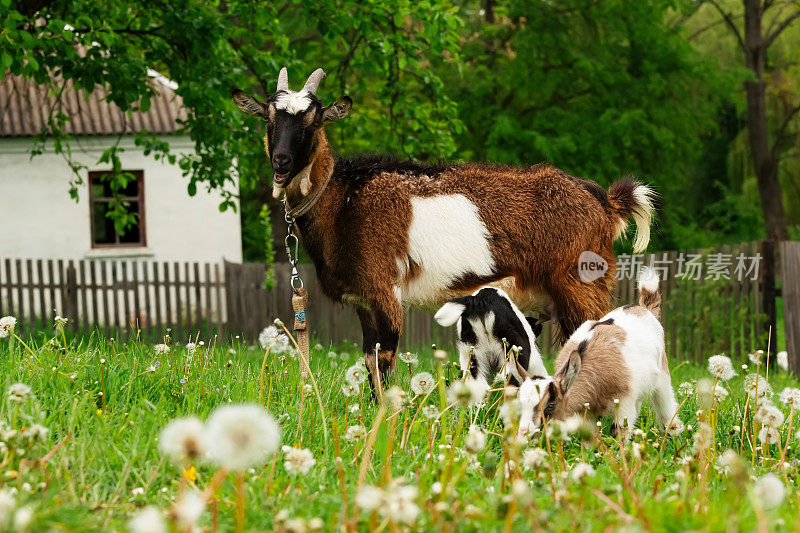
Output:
[[385, 233]]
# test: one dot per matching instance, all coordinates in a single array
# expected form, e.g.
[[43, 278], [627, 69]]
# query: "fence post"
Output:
[[768, 296], [790, 276], [70, 297]]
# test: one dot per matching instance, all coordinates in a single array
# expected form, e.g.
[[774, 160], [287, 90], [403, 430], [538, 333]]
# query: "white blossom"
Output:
[[161, 349], [147, 520], [298, 460], [465, 394], [755, 384], [790, 396], [182, 439], [430, 411], [369, 497], [535, 458], [349, 389], [188, 509], [409, 358], [19, 392], [356, 374], [475, 440], [721, 367], [581, 471], [422, 383], [769, 435], [769, 491], [356, 432], [769, 415], [239, 436], [61, 321], [273, 339], [7, 324]]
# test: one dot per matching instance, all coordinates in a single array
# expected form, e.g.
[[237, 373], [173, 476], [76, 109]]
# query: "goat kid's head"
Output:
[[540, 397], [293, 120]]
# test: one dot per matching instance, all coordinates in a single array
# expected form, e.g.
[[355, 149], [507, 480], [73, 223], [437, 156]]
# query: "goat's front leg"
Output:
[[380, 351]]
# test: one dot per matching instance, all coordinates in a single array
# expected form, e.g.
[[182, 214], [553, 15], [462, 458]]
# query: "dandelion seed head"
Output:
[[475, 440], [241, 435], [19, 393], [161, 349], [581, 471], [182, 439], [769, 491], [298, 460], [721, 367], [422, 383], [7, 325], [356, 374], [409, 358], [147, 520], [790, 396]]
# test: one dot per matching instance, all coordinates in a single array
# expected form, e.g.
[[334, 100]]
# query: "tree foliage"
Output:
[[601, 89]]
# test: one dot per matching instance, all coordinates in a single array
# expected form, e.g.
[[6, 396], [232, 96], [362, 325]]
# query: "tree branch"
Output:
[[781, 133], [782, 26], [731, 26]]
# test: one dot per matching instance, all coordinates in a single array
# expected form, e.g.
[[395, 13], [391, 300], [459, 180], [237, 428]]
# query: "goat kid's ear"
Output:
[[570, 371], [337, 110], [536, 326], [248, 104], [449, 313]]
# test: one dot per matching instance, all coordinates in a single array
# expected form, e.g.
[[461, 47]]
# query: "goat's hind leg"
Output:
[[664, 403]]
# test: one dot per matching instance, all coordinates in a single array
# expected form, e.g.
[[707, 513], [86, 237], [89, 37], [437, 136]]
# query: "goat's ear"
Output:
[[337, 110], [247, 103], [449, 313], [536, 326], [566, 376]]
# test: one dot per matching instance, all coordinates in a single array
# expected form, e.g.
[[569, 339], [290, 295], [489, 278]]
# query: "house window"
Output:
[[104, 235]]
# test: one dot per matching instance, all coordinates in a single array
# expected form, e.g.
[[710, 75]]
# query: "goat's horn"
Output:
[[313, 81], [522, 372], [283, 80]]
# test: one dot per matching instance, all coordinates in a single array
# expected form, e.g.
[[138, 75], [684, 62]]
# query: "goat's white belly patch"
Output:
[[447, 239]]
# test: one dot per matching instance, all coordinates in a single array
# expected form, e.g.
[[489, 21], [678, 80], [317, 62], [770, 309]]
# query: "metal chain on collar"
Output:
[[291, 241]]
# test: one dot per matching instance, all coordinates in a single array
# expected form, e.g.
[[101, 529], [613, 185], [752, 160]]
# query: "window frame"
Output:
[[139, 176]]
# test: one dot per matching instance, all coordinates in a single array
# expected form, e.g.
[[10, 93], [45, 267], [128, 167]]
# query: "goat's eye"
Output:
[[551, 406]]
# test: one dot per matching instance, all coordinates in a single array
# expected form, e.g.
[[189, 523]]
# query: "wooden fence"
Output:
[[706, 309]]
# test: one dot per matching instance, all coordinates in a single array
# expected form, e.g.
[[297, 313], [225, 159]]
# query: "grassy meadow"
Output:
[[81, 450]]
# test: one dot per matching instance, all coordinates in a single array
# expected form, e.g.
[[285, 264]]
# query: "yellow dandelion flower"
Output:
[[190, 474]]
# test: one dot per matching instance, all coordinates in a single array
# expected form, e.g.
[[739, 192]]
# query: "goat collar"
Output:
[[305, 207]]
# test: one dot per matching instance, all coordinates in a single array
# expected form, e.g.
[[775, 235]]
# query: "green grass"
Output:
[[109, 415]]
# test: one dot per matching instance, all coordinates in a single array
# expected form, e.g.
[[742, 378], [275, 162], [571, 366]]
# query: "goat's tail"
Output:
[[629, 198], [649, 295]]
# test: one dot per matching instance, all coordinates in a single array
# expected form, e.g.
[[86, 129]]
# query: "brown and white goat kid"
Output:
[[493, 336], [386, 233], [619, 357]]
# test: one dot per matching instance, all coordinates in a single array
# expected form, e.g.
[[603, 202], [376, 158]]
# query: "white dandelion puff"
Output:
[[535, 459], [581, 471], [188, 509], [430, 411], [467, 394], [721, 367], [19, 393], [298, 460], [148, 520], [182, 439], [161, 349], [755, 385], [475, 440], [422, 383], [769, 491], [769, 435], [350, 390], [7, 325], [769, 415], [790, 396], [409, 358], [783, 360], [370, 497], [356, 374], [686, 388], [356, 432], [273, 339], [239, 436]]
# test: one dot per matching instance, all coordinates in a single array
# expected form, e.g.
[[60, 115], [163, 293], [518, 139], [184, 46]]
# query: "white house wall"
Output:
[[40, 220]]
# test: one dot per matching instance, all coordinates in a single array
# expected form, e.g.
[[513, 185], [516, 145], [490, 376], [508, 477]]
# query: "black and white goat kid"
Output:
[[492, 335]]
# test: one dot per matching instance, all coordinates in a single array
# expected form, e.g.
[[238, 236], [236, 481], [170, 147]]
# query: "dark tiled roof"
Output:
[[26, 106]]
